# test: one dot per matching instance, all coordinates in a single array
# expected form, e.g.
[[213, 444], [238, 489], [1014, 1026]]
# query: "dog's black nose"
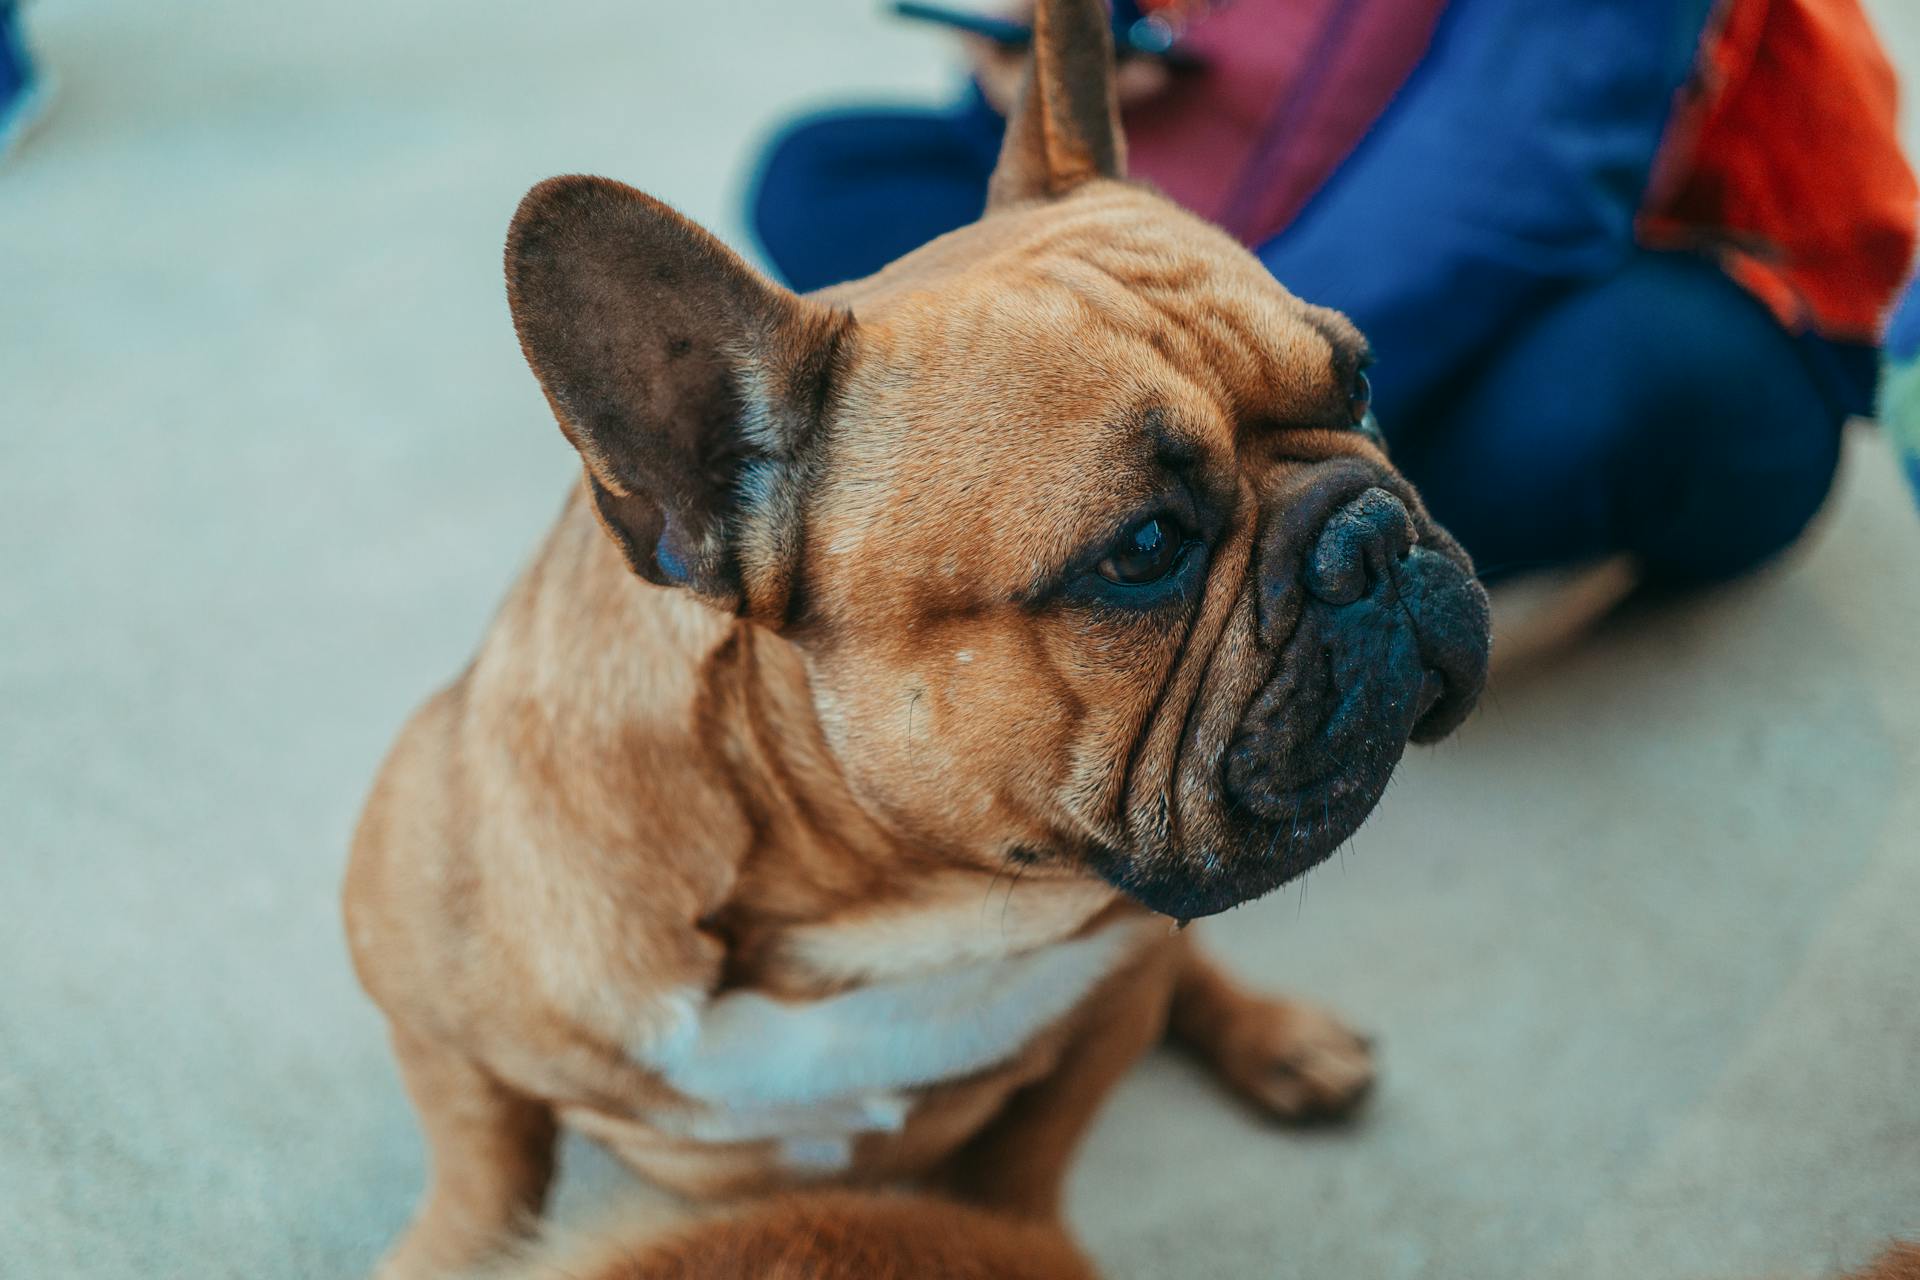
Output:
[[1358, 547]]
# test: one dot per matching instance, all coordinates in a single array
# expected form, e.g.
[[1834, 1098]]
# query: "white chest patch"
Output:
[[779, 1068]]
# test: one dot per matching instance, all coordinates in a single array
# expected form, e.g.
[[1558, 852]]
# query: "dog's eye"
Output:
[[1147, 552], [1360, 407], [1360, 398]]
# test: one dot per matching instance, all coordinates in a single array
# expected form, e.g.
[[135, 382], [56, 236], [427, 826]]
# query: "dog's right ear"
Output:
[[688, 382], [1065, 129]]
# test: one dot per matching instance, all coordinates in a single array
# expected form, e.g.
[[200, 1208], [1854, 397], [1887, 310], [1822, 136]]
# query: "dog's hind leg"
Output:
[[492, 1157], [826, 1235], [1293, 1060], [1901, 1261]]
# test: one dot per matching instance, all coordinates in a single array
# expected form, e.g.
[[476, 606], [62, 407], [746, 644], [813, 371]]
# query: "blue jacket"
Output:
[[1568, 97]]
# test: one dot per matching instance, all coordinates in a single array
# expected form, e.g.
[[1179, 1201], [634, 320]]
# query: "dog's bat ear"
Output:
[[1065, 129], [688, 382]]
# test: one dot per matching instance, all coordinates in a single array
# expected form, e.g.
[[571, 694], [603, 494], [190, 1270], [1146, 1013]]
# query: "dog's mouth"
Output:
[[1357, 683], [1361, 676]]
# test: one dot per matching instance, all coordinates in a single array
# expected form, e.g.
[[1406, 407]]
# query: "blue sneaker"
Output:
[[23, 89]]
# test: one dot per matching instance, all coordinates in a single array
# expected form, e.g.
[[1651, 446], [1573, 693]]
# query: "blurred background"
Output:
[[1640, 944]]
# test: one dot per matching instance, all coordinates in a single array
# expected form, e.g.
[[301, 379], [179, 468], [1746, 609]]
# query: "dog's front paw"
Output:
[[1295, 1061]]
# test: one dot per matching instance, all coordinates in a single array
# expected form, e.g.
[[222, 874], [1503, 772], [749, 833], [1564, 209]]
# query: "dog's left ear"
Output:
[[688, 382], [1065, 130]]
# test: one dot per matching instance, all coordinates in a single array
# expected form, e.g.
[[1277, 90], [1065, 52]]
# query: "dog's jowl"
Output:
[[1057, 562]]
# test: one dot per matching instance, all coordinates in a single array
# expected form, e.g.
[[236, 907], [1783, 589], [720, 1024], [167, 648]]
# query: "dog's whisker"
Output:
[[1019, 869]]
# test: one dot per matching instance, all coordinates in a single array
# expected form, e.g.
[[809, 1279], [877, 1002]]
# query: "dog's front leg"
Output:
[[1018, 1164], [1289, 1058], [491, 1151]]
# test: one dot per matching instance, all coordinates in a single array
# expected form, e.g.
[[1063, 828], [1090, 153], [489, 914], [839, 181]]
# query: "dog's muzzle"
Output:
[[1380, 635], [1377, 635]]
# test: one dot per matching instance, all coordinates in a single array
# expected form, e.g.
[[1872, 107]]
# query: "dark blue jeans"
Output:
[[1654, 408]]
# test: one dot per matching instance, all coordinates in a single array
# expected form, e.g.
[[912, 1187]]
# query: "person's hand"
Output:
[[999, 70]]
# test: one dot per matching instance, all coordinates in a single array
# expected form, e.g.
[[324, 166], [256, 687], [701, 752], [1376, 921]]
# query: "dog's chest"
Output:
[[814, 1074]]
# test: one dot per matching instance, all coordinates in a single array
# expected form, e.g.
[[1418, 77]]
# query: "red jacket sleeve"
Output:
[[1784, 160]]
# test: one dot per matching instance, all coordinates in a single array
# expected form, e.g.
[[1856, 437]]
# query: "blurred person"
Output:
[[23, 88], [1624, 267]]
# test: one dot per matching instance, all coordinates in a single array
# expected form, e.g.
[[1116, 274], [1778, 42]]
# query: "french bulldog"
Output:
[[909, 658]]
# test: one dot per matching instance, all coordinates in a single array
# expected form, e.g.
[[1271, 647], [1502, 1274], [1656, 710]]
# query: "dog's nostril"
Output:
[[1358, 546]]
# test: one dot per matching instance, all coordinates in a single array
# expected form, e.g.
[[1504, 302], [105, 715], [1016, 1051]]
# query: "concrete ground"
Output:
[[1642, 944]]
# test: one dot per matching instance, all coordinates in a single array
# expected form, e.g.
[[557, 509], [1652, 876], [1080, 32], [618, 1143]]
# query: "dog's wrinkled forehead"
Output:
[[1113, 259], [1089, 349]]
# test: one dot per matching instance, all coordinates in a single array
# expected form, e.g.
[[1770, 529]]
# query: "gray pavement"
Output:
[[1642, 944]]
